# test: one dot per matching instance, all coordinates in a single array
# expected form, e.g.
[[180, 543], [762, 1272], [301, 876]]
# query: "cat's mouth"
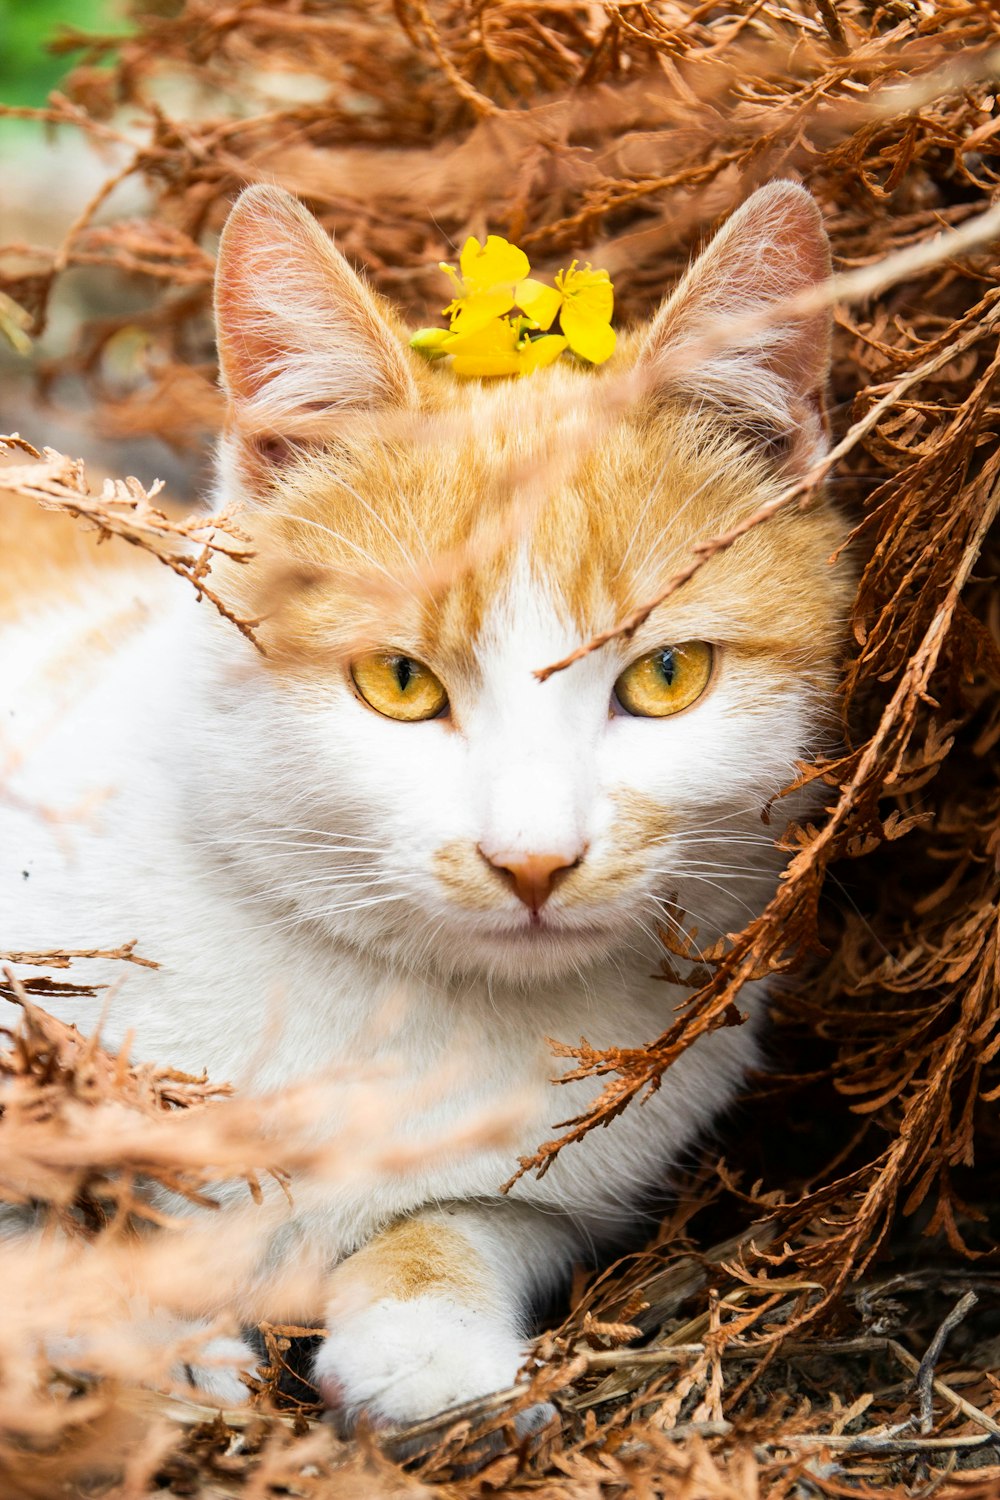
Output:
[[538, 927], [543, 949]]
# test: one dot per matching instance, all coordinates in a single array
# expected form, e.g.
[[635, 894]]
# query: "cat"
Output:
[[389, 814]]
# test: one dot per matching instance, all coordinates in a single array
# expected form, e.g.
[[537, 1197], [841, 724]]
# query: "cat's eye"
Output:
[[664, 681], [398, 686]]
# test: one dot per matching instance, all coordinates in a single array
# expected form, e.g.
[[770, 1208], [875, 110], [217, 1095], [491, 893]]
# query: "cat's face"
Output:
[[409, 784]]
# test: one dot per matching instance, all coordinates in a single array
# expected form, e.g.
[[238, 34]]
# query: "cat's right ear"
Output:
[[725, 337], [299, 334]]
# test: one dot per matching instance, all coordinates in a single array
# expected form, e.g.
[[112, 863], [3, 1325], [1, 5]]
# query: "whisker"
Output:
[[704, 880], [288, 888], [302, 918], [321, 833]]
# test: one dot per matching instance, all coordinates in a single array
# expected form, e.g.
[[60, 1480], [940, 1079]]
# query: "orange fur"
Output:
[[410, 1259], [409, 541]]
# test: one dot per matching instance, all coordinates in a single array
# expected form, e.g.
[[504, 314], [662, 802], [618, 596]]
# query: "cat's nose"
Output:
[[533, 876]]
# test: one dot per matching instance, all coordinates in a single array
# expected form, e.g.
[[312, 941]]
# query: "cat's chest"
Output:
[[265, 1009]]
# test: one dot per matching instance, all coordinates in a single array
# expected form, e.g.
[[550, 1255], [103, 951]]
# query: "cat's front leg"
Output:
[[431, 1313]]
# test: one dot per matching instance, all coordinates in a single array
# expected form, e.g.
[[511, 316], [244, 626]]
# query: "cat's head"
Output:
[[402, 778]]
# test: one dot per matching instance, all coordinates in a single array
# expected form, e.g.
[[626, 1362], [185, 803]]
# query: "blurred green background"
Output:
[[27, 70]]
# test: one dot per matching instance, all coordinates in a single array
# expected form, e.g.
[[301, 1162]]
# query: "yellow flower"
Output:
[[501, 347], [485, 289], [585, 316], [485, 340], [537, 353], [584, 302]]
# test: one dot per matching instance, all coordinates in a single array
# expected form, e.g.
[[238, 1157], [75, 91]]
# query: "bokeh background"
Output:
[[29, 30]]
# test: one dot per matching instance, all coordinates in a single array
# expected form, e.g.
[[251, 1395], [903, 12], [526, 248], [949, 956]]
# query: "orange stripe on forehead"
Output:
[[410, 537]]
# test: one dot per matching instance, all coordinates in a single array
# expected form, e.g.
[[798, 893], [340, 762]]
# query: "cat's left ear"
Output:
[[299, 333], [720, 339]]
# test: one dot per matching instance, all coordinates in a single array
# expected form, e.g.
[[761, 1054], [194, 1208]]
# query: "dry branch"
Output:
[[124, 509]]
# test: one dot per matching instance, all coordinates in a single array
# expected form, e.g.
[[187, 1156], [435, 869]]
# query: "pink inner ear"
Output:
[[784, 250], [273, 450], [246, 354], [298, 331], [774, 372], [260, 325]]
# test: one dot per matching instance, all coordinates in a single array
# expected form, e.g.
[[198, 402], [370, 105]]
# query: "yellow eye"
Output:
[[665, 681], [398, 686]]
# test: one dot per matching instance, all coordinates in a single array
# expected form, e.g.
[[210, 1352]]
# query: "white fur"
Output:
[[401, 1361]]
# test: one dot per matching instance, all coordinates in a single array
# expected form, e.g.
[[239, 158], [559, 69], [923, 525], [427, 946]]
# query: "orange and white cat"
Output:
[[390, 815]]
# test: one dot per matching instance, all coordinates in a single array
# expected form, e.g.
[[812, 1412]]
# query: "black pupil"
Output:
[[403, 667], [667, 664]]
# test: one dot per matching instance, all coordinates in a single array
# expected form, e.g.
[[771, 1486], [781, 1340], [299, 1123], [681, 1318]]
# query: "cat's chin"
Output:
[[525, 951]]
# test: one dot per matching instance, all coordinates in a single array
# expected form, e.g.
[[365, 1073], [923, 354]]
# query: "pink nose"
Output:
[[533, 876]]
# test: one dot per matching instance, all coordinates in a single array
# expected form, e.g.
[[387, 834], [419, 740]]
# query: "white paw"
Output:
[[178, 1351], [399, 1362], [218, 1369]]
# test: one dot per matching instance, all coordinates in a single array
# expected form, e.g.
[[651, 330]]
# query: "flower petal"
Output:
[[589, 336], [500, 349], [537, 353], [497, 263], [485, 365], [499, 336], [538, 301], [593, 286], [479, 309], [470, 253]]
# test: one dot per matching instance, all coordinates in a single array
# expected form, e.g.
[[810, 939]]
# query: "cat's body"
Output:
[[418, 906]]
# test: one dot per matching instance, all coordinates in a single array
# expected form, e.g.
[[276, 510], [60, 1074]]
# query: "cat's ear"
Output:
[[770, 374], [299, 333]]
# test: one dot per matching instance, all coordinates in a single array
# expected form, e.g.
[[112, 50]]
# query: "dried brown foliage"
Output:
[[125, 509], [785, 1359]]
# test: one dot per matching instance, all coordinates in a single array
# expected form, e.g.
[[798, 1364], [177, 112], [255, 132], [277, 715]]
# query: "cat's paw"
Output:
[[399, 1362], [215, 1368], [219, 1369]]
